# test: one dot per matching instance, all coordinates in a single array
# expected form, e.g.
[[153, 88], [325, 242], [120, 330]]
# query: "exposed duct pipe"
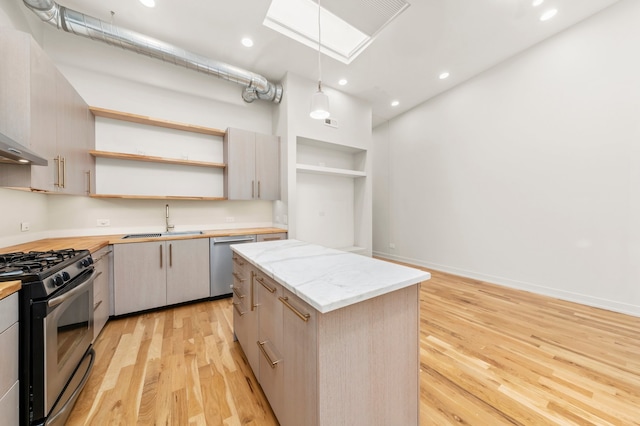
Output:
[[256, 86]]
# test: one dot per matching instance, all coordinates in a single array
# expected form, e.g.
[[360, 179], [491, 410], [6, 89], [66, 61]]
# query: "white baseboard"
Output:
[[584, 299]]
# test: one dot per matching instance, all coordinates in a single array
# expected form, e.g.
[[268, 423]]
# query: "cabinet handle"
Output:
[[64, 172], [102, 257], [237, 260], [88, 181], [261, 281], [303, 317], [258, 189], [266, 355], [253, 189], [271, 239], [238, 277], [235, 305], [170, 255], [160, 256], [237, 293], [58, 165], [253, 305], [97, 305]]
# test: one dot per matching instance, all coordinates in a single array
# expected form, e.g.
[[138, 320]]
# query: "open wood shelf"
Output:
[[321, 170], [142, 119], [151, 159], [157, 197]]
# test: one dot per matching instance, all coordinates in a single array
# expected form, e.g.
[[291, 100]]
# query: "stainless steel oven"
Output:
[[66, 325], [56, 330]]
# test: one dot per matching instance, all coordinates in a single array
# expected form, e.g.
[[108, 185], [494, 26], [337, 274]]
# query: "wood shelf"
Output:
[[321, 170], [157, 197], [142, 119], [151, 159]]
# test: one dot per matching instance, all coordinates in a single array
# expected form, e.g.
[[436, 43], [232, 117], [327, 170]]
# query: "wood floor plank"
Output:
[[489, 355]]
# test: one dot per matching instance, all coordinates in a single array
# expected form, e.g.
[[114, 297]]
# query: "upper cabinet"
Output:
[[43, 112], [253, 165]]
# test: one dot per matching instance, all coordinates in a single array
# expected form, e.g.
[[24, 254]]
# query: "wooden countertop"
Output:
[[96, 242], [7, 288]]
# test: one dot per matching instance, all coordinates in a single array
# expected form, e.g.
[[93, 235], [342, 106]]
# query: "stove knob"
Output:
[[58, 281], [86, 262], [66, 276]]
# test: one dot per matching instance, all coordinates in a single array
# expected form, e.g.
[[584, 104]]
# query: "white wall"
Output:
[[529, 174]]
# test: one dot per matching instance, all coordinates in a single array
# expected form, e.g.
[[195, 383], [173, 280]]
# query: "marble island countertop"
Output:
[[327, 279]]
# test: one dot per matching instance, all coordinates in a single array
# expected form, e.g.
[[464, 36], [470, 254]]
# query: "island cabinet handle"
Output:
[[236, 306], [266, 355], [238, 277], [237, 293], [253, 305], [237, 260], [303, 317], [261, 281]]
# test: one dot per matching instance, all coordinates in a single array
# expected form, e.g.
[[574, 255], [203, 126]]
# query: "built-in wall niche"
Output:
[[138, 156], [330, 192]]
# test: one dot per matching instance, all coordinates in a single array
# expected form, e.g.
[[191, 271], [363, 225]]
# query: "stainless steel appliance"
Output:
[[222, 263], [56, 330]]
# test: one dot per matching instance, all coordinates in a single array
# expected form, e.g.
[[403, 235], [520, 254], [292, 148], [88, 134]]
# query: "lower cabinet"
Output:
[[9, 384], [155, 274], [103, 262]]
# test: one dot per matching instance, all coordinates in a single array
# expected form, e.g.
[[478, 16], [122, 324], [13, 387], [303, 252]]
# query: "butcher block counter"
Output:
[[7, 288], [331, 336], [96, 242]]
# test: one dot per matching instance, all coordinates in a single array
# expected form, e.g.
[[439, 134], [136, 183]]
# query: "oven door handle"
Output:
[[68, 295]]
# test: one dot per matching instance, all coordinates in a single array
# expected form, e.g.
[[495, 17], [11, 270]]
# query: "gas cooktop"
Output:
[[38, 265]]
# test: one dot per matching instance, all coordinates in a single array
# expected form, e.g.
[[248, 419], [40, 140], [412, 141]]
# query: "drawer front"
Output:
[[8, 311], [9, 410], [9, 363], [270, 310], [271, 237]]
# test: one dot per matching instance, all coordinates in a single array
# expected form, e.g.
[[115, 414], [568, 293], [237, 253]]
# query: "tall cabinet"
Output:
[[41, 110], [253, 165]]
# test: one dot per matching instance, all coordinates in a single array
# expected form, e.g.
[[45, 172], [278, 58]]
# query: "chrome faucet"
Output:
[[169, 227]]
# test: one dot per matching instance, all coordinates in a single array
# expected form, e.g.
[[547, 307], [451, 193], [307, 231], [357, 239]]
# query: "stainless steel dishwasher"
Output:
[[222, 263]]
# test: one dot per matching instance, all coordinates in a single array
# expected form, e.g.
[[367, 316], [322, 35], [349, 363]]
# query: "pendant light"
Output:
[[320, 100]]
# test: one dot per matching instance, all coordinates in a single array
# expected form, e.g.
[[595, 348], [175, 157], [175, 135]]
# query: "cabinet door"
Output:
[[239, 155], [139, 276], [187, 270], [267, 167], [299, 350]]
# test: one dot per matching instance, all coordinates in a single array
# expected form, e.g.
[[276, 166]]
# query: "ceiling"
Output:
[[463, 37]]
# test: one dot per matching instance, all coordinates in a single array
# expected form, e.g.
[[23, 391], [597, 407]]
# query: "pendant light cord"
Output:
[[319, 44]]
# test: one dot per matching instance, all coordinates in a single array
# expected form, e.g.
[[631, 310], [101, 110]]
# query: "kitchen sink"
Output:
[[162, 234]]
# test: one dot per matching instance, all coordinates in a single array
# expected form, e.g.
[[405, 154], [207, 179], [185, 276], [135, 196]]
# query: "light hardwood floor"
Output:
[[488, 356]]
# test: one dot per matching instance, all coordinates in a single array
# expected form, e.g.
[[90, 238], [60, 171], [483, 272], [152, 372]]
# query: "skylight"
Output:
[[298, 19]]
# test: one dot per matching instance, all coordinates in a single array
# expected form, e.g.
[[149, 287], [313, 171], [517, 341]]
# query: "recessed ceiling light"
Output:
[[148, 3], [247, 42], [342, 82], [395, 103], [536, 3], [443, 75], [548, 14]]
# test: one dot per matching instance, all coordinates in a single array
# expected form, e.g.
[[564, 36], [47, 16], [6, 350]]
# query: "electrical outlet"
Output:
[[230, 219], [24, 226], [331, 122], [103, 222]]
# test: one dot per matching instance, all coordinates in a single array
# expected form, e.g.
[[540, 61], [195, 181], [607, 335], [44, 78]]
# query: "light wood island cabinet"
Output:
[[155, 274], [351, 361]]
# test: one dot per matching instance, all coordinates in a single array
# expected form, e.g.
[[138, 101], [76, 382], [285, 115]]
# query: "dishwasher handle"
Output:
[[233, 239]]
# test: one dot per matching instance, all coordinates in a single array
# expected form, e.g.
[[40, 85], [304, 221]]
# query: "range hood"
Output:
[[14, 153]]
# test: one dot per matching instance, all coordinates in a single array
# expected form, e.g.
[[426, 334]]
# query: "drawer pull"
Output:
[[102, 257], [97, 305], [303, 317], [236, 306], [266, 355], [261, 281], [238, 277], [237, 293], [237, 260]]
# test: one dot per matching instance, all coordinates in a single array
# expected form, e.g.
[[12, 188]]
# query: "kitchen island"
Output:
[[331, 336]]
